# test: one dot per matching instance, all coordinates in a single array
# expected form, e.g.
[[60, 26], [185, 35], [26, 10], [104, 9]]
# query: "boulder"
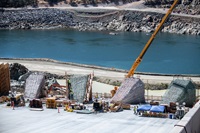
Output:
[[180, 91], [16, 70], [79, 85], [35, 86], [130, 92]]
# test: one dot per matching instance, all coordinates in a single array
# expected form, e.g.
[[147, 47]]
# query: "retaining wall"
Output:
[[190, 122]]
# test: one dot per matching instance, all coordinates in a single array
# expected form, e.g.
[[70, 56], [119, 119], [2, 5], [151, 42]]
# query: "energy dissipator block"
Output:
[[131, 92]]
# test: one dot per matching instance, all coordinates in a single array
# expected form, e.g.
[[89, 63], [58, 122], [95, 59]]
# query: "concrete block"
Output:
[[131, 92]]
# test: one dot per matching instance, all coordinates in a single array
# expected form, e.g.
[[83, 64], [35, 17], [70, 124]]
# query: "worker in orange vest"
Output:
[[114, 91]]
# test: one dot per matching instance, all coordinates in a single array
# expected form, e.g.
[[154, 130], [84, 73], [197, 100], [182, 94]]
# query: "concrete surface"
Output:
[[22, 120]]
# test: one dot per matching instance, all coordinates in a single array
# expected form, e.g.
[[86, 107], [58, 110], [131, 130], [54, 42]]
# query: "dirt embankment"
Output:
[[115, 77], [99, 20]]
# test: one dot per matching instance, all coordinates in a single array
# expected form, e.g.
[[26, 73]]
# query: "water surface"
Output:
[[169, 53]]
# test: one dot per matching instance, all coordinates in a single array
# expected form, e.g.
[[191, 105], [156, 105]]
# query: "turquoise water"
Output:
[[169, 53]]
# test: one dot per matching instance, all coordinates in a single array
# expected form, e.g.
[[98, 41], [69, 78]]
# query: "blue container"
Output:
[[171, 116]]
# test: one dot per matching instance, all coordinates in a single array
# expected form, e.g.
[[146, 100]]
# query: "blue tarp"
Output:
[[144, 108], [158, 109]]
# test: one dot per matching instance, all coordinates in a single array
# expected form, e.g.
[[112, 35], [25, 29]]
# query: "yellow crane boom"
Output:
[[139, 59]]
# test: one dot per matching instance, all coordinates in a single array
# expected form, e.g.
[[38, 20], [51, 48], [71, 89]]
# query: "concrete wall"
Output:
[[190, 122]]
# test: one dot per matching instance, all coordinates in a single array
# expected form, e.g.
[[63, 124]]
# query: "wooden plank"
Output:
[[4, 79], [8, 76], [88, 96]]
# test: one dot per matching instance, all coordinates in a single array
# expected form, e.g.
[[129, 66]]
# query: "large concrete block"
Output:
[[79, 84], [131, 91], [34, 86], [180, 91]]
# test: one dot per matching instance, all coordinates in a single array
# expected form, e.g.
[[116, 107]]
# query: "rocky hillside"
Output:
[[184, 6], [138, 21], [112, 20], [165, 2], [191, 7]]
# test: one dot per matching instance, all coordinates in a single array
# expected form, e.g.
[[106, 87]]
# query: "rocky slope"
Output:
[[184, 6], [112, 20], [35, 19], [138, 21]]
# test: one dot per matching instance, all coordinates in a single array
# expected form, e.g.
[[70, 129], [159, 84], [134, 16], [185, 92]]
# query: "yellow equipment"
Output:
[[139, 59], [17, 100], [51, 103], [68, 109]]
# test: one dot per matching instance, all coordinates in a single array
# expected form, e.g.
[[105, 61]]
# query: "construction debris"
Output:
[[116, 107], [4, 99], [51, 82], [180, 91], [35, 103], [131, 92], [17, 99], [35, 86], [16, 70], [24, 76], [80, 89]]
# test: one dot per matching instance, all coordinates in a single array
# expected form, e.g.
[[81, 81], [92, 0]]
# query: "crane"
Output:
[[131, 89], [139, 59]]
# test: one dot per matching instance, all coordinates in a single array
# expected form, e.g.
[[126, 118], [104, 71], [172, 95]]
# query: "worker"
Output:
[[114, 91], [69, 88], [135, 110], [71, 94], [69, 84]]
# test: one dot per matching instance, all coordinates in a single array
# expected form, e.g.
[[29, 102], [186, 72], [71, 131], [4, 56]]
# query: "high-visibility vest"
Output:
[[71, 91]]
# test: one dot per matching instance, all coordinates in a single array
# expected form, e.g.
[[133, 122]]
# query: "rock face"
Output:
[[134, 21], [139, 22], [131, 92], [79, 84], [35, 18], [16, 70], [180, 91], [34, 86], [184, 6]]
